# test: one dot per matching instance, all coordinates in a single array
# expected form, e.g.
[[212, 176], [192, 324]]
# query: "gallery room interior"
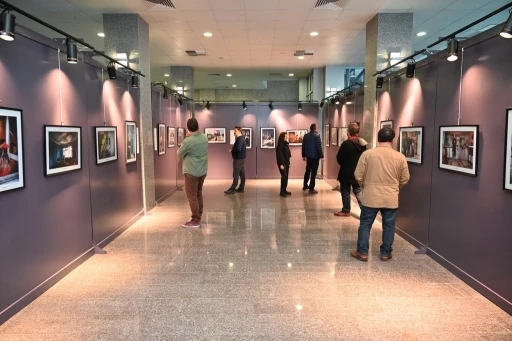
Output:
[[94, 103]]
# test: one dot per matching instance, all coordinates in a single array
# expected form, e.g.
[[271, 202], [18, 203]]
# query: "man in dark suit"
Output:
[[311, 153], [238, 152]]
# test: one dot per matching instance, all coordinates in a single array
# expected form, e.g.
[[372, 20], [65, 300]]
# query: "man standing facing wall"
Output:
[[194, 152], [311, 153], [381, 172], [239, 153]]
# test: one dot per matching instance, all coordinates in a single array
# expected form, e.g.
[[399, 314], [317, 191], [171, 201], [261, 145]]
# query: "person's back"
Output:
[[196, 161], [311, 146], [311, 153]]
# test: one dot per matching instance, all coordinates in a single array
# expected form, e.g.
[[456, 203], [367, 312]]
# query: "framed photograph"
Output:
[[411, 144], [215, 135], [458, 149], [106, 144], [131, 141], [171, 137], [334, 136], [232, 137], [247, 132], [296, 136], [327, 134], [268, 138], [342, 135], [508, 152], [63, 149], [12, 169], [181, 136], [161, 139], [388, 123]]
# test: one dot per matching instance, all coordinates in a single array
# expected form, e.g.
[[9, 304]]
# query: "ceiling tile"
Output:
[[296, 4], [188, 5], [290, 25], [227, 5], [292, 15], [261, 15], [261, 4], [323, 14], [261, 25], [229, 15]]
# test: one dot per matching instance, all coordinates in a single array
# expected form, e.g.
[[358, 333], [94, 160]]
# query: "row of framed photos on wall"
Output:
[[62, 148], [335, 136], [172, 138]]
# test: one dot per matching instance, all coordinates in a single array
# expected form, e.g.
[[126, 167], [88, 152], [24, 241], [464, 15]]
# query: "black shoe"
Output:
[[288, 193], [229, 191], [283, 194], [239, 190], [312, 191], [304, 188]]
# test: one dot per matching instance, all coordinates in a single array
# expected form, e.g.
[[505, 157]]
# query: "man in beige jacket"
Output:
[[381, 172]]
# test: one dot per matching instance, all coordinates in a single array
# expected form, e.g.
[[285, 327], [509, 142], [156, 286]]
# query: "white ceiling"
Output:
[[257, 35]]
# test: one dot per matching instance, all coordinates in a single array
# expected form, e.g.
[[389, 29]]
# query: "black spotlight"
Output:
[[111, 69], [506, 31], [7, 24], [453, 49], [380, 81], [72, 52], [410, 70], [337, 99], [271, 106], [207, 106], [321, 104], [299, 106], [135, 81], [180, 101], [166, 94], [244, 105], [333, 101]]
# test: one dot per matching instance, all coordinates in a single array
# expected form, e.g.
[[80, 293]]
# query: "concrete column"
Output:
[[318, 84], [334, 77], [385, 33], [183, 77], [129, 33]]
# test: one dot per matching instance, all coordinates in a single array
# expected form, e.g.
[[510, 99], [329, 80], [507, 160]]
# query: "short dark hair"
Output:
[[312, 127], [238, 128], [386, 134], [192, 125], [353, 129], [281, 137]]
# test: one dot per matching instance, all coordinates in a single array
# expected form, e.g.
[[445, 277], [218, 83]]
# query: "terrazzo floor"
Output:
[[261, 268]]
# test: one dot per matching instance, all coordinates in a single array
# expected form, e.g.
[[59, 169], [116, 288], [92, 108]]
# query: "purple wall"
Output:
[[48, 225], [467, 218], [260, 163]]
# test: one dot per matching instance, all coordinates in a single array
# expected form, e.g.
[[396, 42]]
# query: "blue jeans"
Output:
[[345, 196], [368, 215]]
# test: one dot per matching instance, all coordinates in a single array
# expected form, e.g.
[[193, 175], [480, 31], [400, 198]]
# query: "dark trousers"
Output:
[[238, 171], [310, 175], [368, 215], [194, 192], [284, 178], [345, 195]]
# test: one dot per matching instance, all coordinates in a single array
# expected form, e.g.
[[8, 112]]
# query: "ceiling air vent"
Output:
[[331, 4], [193, 53], [275, 74], [153, 3], [299, 53]]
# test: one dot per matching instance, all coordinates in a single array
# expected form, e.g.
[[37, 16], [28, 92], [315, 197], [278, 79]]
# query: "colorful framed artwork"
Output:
[[411, 144], [342, 135], [296, 136], [106, 144], [181, 136], [458, 149], [171, 137], [12, 167], [215, 135], [63, 149], [334, 136], [267, 138], [131, 141]]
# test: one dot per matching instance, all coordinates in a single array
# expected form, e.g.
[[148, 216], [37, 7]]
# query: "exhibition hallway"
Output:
[[262, 268]]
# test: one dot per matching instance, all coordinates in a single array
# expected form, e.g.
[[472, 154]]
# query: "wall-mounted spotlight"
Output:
[[299, 106], [453, 49], [72, 52], [380, 81], [410, 69], [271, 106], [244, 105], [7, 24], [111, 69], [337, 99], [333, 101], [207, 106], [506, 31], [180, 101], [321, 104], [166, 94], [135, 81], [348, 93]]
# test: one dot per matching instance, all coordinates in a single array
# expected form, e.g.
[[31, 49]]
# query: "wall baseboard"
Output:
[[24, 301], [165, 196], [121, 229]]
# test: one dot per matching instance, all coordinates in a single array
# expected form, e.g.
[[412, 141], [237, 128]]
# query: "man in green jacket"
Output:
[[194, 152]]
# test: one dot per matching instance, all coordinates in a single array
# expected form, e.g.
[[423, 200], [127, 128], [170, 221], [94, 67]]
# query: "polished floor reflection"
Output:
[[261, 268]]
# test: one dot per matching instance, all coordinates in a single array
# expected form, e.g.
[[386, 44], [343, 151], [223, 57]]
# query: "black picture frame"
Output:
[[131, 141], [406, 148], [171, 137], [161, 138], [453, 155], [52, 140], [105, 155], [386, 123], [507, 169], [270, 143], [14, 151], [180, 136]]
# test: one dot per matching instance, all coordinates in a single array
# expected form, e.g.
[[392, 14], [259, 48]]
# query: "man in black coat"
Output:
[[238, 152], [347, 157], [311, 153]]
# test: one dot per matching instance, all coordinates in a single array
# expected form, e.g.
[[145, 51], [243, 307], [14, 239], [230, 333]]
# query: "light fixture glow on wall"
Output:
[[207, 106], [180, 90], [380, 81], [411, 66], [72, 52], [506, 31], [244, 105], [135, 81], [122, 58], [337, 99], [166, 94], [7, 24], [111, 69], [348, 102], [299, 106], [271, 106], [453, 49]]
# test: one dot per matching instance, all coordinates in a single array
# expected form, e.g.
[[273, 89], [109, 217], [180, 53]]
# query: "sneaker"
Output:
[[283, 194], [359, 256], [229, 191], [191, 223], [305, 188], [342, 214], [239, 190], [312, 191], [385, 258], [288, 193]]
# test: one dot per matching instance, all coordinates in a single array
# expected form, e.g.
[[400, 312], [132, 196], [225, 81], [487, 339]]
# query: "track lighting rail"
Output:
[[173, 92]]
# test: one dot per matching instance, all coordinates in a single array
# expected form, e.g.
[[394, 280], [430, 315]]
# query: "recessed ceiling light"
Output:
[[301, 57], [291, 75], [421, 34], [208, 34], [313, 34], [136, 53], [101, 34], [166, 75], [229, 75], [234, 85], [180, 81]]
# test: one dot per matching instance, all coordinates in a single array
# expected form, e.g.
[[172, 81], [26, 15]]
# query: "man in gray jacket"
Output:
[[311, 153]]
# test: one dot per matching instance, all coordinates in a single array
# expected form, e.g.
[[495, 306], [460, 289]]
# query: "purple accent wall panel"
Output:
[[116, 187], [334, 119], [46, 225]]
